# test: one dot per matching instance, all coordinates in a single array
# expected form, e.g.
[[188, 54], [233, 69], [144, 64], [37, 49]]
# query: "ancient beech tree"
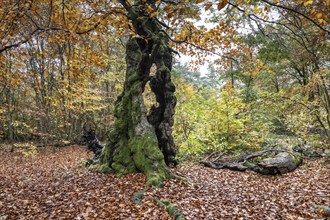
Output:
[[141, 141]]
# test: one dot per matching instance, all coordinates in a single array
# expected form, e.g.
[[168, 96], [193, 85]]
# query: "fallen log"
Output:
[[269, 162], [230, 166], [283, 162]]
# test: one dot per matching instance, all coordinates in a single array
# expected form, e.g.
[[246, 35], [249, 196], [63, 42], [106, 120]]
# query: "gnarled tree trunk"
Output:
[[141, 142]]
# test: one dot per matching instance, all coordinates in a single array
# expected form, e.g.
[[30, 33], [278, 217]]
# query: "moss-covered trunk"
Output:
[[141, 142]]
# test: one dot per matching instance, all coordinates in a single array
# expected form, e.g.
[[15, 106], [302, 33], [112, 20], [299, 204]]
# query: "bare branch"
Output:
[[297, 12]]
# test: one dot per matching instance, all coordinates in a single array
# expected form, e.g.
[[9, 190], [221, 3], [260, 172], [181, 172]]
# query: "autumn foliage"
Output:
[[62, 67]]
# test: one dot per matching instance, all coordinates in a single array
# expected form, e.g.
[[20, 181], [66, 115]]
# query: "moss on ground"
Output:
[[171, 208], [105, 168], [137, 197]]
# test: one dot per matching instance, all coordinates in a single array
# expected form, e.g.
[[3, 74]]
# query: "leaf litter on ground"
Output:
[[52, 185]]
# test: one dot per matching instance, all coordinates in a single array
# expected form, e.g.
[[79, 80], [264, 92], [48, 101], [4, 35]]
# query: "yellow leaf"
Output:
[[322, 21], [168, 7], [208, 6], [319, 15], [308, 2], [222, 4], [154, 14], [182, 11], [149, 9]]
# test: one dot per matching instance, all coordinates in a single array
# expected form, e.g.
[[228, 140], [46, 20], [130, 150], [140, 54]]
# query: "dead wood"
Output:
[[268, 162], [93, 144]]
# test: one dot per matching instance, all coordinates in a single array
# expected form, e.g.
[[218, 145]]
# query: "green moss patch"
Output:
[[137, 197], [171, 208]]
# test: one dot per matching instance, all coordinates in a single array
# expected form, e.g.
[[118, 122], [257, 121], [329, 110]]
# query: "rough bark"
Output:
[[279, 163], [139, 142], [92, 142]]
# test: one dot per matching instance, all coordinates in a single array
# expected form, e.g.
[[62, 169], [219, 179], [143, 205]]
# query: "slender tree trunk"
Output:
[[141, 142], [10, 120], [9, 92]]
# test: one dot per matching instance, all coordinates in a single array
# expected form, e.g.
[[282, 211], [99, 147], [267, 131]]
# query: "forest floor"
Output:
[[55, 185]]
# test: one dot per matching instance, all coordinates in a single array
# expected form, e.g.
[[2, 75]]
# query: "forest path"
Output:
[[55, 186]]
